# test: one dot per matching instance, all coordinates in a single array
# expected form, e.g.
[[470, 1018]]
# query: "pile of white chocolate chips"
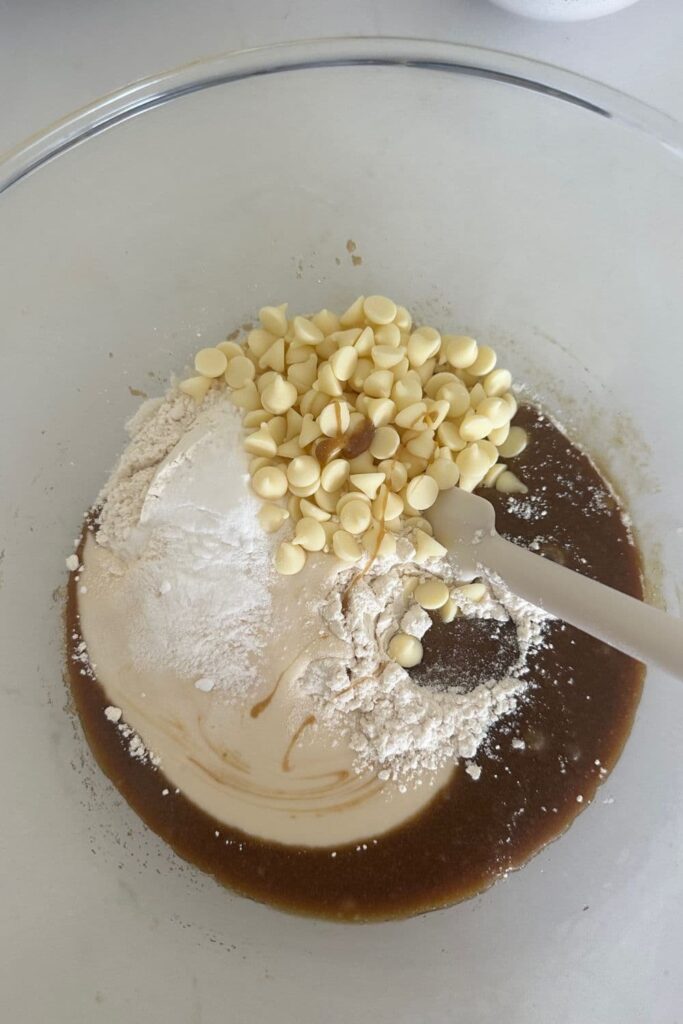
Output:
[[355, 423]]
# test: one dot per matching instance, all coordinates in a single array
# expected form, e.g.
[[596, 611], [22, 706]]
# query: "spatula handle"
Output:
[[623, 622]]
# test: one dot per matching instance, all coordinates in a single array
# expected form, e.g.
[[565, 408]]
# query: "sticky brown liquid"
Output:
[[579, 710]]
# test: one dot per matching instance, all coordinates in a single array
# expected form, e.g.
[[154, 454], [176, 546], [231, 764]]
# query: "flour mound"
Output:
[[395, 726]]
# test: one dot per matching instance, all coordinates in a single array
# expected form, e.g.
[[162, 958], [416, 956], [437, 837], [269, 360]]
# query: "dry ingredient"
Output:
[[397, 727], [362, 404], [177, 529]]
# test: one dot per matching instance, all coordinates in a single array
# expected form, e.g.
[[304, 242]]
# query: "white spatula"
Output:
[[465, 524]]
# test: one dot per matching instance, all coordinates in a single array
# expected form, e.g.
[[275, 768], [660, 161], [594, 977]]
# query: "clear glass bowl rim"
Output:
[[309, 54]]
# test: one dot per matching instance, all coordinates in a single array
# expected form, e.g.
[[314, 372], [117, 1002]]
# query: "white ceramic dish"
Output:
[[536, 210], [563, 10]]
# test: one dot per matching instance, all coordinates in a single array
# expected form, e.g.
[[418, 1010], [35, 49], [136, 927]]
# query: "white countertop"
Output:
[[56, 57]]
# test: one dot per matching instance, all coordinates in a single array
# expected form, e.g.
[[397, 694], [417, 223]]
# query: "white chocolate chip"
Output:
[[195, 387], [437, 411], [410, 414], [306, 331], [274, 319], [354, 315], [445, 472], [230, 349], [484, 363], [385, 357], [72, 563], [426, 547], [449, 610], [355, 516], [261, 442], [422, 345], [406, 650], [279, 396], [211, 362], [303, 375], [309, 534], [327, 383], [422, 491], [387, 505], [380, 411], [474, 427], [403, 319], [259, 341], [495, 410], [304, 471], [327, 500], [271, 517], [266, 378], [247, 397], [379, 310], [449, 436], [368, 483], [290, 449], [511, 401], [456, 394], [489, 450], [499, 436], [305, 490], [437, 381], [363, 463], [334, 475], [344, 362], [325, 348], [257, 463], [461, 351], [407, 391], [473, 461], [289, 559], [385, 441], [365, 342], [425, 371], [334, 419], [515, 443], [379, 545], [351, 496], [327, 321], [493, 474], [432, 594], [255, 418], [395, 473], [508, 483], [274, 357], [294, 508], [471, 592], [378, 384], [269, 482], [313, 511], [345, 546], [497, 382], [293, 420], [310, 431], [388, 334], [423, 445]]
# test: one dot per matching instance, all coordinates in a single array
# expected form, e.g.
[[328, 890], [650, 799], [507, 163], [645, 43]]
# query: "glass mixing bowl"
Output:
[[539, 212]]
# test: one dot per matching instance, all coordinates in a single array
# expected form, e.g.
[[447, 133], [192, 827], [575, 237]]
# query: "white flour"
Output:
[[186, 543], [392, 723]]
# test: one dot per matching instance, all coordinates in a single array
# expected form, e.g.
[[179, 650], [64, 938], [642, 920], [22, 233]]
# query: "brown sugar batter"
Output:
[[539, 767]]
